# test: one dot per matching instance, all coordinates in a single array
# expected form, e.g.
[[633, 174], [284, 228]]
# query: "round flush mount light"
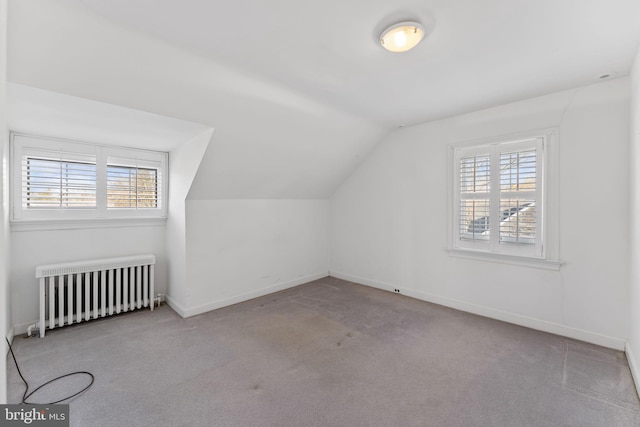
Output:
[[402, 36]]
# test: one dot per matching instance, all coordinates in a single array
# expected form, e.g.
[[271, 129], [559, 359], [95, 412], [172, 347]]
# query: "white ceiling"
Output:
[[270, 141], [477, 53], [42, 112], [299, 92]]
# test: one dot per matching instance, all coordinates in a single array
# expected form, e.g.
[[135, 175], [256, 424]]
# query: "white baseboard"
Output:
[[192, 311], [175, 306], [21, 328], [633, 366], [517, 319], [213, 305], [362, 281]]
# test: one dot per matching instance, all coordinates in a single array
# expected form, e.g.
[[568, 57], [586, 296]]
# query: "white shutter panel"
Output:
[[520, 197], [54, 179], [498, 197], [474, 176], [57, 180], [518, 221], [133, 184]]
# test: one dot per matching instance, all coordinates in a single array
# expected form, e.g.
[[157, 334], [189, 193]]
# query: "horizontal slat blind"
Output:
[[518, 217], [62, 183], [518, 171], [475, 184], [497, 203], [132, 187], [474, 219], [68, 180]]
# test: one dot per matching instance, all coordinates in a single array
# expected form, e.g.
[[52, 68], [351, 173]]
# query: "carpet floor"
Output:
[[326, 353]]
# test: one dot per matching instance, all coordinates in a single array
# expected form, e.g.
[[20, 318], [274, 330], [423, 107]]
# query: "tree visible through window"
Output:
[[59, 184], [54, 179], [131, 187]]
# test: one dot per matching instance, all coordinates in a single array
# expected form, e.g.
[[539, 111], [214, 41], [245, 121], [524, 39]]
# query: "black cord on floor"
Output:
[[27, 395]]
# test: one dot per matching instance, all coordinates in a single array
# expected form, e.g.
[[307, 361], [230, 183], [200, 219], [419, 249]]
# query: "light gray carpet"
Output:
[[328, 353]]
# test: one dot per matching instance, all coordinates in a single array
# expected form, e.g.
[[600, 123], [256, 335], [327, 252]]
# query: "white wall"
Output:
[[184, 161], [388, 220], [633, 345], [241, 249], [32, 248], [5, 308], [270, 142], [39, 112]]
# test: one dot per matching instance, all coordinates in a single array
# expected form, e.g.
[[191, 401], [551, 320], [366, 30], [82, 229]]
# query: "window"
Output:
[[130, 187], [58, 184], [500, 203], [54, 180]]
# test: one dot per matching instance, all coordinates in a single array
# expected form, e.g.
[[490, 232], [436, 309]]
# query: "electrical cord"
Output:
[[27, 395]]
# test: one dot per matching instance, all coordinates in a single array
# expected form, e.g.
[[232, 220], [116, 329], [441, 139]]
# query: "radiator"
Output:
[[80, 291]]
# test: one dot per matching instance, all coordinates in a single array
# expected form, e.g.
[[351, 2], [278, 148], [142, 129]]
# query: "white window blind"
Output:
[[131, 187], [475, 183], [133, 183], [518, 184], [64, 181], [54, 179], [498, 201]]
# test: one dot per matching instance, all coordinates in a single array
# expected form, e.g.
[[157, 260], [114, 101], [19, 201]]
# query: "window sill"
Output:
[[76, 224], [544, 264]]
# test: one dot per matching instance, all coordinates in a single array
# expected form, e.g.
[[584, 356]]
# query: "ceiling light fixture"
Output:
[[402, 36]]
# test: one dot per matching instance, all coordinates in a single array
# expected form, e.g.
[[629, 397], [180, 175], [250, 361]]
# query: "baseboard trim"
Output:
[[21, 328], [213, 305], [505, 316], [193, 311], [175, 306], [633, 366]]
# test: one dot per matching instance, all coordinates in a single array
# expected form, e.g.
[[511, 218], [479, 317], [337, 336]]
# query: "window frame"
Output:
[[24, 144], [542, 254]]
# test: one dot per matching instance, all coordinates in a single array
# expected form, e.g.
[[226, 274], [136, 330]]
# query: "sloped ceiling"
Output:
[[299, 92], [269, 141], [41, 112], [477, 53]]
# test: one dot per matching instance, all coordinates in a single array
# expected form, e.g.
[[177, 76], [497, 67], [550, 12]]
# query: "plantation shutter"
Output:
[[133, 184], [518, 189], [56, 180], [498, 198], [475, 184]]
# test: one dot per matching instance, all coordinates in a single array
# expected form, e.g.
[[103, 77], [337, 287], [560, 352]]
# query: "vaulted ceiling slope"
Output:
[[297, 91], [42, 112], [269, 141]]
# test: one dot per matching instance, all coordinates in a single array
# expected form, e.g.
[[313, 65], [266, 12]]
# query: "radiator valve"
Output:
[[31, 328], [159, 299]]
